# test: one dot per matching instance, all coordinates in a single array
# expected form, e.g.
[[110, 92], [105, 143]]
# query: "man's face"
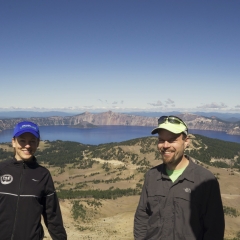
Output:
[[171, 147], [25, 146]]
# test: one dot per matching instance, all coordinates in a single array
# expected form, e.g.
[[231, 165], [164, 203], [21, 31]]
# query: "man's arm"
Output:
[[141, 216], [214, 223]]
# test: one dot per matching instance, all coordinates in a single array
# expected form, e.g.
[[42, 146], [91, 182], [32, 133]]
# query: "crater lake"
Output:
[[107, 134]]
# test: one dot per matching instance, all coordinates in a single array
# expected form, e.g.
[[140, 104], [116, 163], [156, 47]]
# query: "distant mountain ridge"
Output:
[[230, 117], [112, 118]]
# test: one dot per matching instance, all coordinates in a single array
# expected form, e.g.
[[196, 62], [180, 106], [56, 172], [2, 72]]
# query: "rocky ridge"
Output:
[[112, 118]]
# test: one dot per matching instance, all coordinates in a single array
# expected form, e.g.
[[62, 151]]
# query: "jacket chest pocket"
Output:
[[155, 204], [156, 200], [187, 213], [187, 200], [33, 186]]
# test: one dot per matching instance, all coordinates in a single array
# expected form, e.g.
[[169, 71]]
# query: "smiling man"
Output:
[[180, 200], [27, 191]]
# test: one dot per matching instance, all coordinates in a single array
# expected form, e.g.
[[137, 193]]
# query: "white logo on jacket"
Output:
[[35, 180], [6, 179], [188, 190]]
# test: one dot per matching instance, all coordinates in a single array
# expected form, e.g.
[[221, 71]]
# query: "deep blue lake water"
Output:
[[107, 134]]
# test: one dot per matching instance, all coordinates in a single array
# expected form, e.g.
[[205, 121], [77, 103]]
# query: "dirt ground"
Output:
[[114, 221]]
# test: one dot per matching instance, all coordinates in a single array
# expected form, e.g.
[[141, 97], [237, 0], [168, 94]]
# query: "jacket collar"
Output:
[[187, 174], [29, 164]]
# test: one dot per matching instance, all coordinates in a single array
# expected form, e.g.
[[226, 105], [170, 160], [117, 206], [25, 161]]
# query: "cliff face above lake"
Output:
[[111, 118], [203, 123]]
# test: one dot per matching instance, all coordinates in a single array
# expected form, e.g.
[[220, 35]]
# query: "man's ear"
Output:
[[186, 142]]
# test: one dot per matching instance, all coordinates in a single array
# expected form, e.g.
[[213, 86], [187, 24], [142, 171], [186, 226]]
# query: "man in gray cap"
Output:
[[180, 200]]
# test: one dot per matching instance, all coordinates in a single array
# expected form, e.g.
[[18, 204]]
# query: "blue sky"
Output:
[[120, 55]]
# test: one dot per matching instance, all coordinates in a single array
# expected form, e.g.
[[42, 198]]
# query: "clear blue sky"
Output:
[[120, 55]]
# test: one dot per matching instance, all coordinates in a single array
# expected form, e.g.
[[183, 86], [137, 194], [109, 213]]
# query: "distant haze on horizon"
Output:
[[233, 117], [125, 56]]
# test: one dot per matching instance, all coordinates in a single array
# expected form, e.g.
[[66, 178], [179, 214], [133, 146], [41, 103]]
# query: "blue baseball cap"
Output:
[[25, 126]]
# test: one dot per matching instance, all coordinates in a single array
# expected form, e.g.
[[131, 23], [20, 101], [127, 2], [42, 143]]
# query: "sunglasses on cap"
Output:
[[172, 119]]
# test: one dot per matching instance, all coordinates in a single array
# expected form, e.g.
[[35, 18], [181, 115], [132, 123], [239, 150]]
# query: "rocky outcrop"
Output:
[[203, 123], [111, 118]]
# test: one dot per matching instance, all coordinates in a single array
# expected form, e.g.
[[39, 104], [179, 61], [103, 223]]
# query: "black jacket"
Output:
[[188, 209], [27, 192]]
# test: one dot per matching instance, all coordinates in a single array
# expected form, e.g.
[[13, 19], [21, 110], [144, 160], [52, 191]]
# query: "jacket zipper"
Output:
[[19, 190]]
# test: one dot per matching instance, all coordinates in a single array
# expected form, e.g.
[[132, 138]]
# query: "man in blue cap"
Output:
[[27, 191], [180, 200]]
